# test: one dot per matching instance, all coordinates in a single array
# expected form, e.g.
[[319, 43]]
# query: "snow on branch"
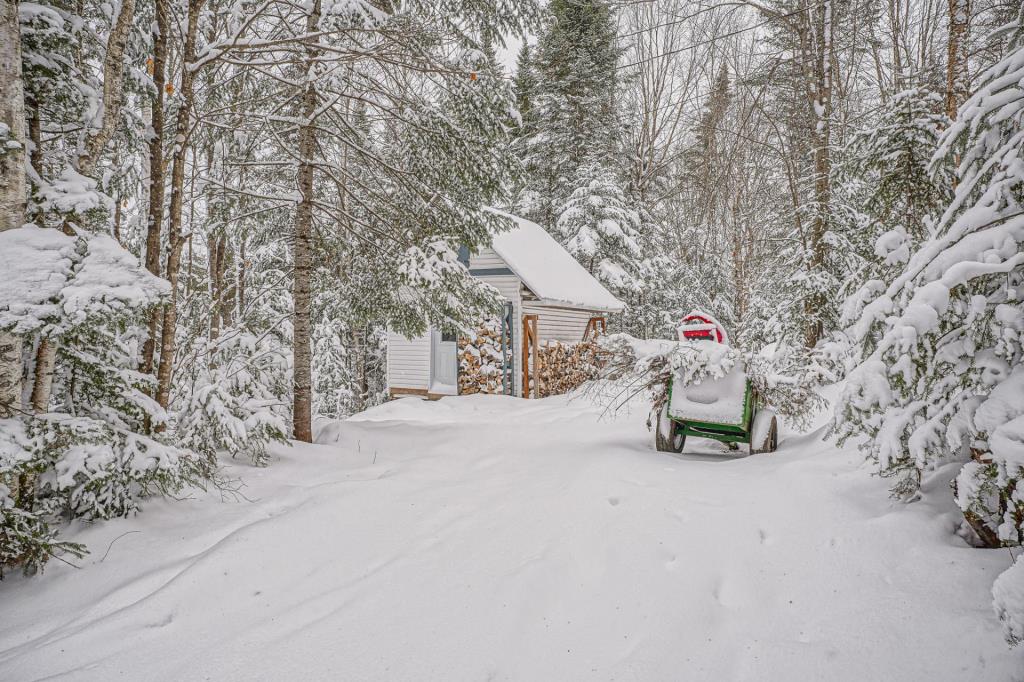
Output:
[[52, 282]]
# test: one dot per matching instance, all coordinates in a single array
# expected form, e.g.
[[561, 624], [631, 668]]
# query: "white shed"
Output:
[[545, 288]]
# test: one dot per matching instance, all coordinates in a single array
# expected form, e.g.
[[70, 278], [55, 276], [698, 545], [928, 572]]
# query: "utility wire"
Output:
[[724, 35]]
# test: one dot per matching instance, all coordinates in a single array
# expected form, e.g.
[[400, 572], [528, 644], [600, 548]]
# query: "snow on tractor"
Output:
[[725, 409]]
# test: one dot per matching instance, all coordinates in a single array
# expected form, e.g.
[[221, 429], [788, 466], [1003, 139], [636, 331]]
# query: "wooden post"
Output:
[[595, 327], [530, 340], [525, 371], [536, 357]]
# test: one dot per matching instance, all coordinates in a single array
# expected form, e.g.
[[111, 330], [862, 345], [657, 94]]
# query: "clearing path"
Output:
[[491, 538]]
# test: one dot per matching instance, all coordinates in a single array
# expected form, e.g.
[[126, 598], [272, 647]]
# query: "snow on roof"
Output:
[[550, 271]]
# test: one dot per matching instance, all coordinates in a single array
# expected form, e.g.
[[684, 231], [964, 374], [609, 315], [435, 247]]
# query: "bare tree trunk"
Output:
[[821, 102], [957, 83], [113, 89], [35, 134], [226, 283], [12, 182], [155, 210], [42, 384], [302, 418], [12, 116], [242, 265], [174, 231], [117, 219], [213, 247]]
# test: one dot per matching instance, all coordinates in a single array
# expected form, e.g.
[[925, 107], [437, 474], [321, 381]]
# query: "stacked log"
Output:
[[566, 366], [480, 359]]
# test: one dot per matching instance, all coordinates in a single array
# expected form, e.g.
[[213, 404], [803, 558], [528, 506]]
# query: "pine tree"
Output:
[[891, 190], [573, 117], [601, 228], [525, 88]]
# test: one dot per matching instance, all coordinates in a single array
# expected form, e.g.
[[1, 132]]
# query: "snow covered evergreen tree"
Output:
[[942, 371], [891, 188], [601, 229], [573, 118]]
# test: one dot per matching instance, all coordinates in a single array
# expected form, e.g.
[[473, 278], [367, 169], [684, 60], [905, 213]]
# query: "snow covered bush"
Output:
[[890, 187], [26, 537], [62, 467], [937, 339], [236, 399], [601, 229], [351, 354], [1008, 600], [78, 451]]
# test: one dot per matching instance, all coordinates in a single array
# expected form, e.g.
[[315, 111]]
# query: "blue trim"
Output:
[[486, 272]]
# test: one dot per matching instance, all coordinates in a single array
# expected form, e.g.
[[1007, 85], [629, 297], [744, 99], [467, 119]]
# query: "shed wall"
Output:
[[486, 259], [565, 325], [409, 361]]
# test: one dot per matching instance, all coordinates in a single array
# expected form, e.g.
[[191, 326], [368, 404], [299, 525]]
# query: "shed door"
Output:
[[445, 364]]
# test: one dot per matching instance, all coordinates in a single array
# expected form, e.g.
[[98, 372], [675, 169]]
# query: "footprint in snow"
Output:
[[613, 501]]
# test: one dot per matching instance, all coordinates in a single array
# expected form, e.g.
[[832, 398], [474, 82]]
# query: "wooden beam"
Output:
[[536, 357], [595, 326], [421, 392], [529, 342]]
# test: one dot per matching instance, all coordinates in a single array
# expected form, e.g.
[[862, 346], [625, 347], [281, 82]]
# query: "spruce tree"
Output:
[[574, 117], [940, 375]]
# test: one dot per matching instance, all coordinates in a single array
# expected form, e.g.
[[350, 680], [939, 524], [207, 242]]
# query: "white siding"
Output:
[[559, 324], [408, 361], [487, 258], [508, 285]]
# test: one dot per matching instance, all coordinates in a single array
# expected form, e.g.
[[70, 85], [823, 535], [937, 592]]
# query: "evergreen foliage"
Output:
[[940, 372], [573, 116]]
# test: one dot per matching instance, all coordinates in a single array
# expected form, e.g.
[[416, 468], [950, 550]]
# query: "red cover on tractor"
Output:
[[701, 327]]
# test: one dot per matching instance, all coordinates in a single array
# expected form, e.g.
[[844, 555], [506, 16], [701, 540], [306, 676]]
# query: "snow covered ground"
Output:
[[494, 538]]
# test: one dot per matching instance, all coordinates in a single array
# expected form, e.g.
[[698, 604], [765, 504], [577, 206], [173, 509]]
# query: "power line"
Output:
[[725, 35]]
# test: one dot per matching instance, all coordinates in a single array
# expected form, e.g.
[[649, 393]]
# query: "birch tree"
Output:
[[12, 181]]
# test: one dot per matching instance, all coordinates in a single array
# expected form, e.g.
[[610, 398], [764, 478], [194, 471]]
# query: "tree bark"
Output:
[[118, 217], [12, 182], [42, 384], [821, 104], [155, 210], [242, 266], [113, 89], [213, 247], [226, 282], [302, 419], [35, 135], [957, 83], [12, 117], [174, 224]]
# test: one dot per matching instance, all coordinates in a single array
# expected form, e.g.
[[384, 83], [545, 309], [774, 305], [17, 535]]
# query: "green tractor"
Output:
[[726, 409]]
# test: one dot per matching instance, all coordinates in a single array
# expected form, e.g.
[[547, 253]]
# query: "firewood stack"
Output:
[[565, 366], [480, 359]]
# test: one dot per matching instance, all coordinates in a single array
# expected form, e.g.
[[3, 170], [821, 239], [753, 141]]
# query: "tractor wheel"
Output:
[[668, 435], [764, 432]]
